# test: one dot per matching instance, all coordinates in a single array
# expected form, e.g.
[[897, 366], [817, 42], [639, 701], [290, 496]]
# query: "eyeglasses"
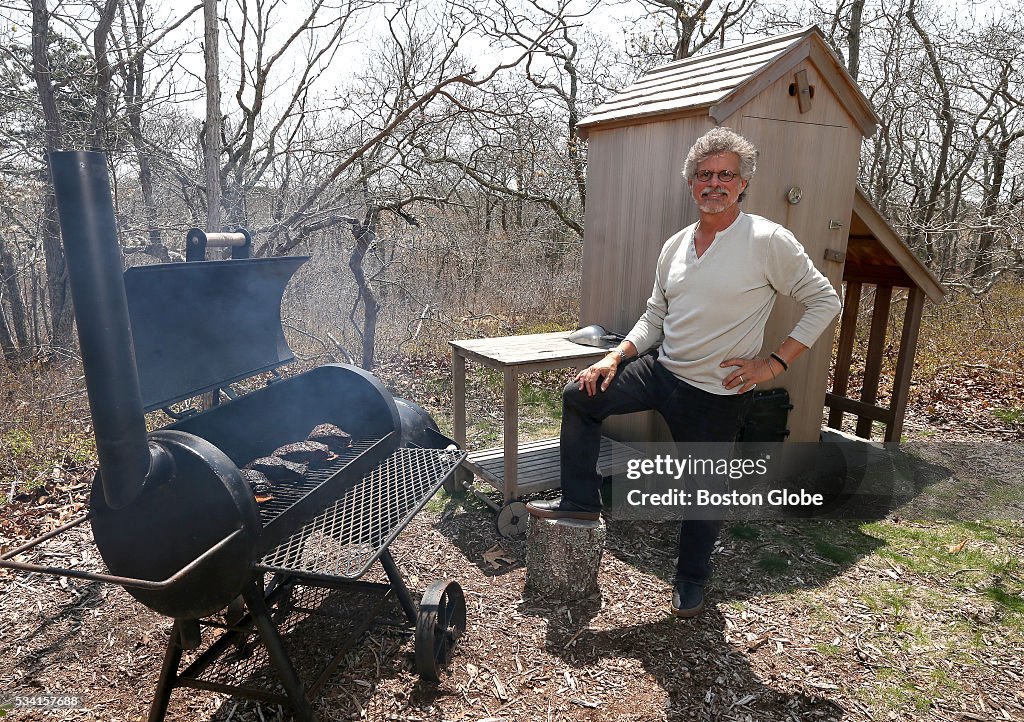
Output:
[[705, 176]]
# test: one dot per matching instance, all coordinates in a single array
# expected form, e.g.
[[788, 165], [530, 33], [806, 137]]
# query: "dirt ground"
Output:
[[806, 621]]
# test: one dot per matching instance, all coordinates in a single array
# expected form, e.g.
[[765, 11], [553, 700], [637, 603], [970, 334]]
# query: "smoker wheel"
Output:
[[439, 624], [457, 482], [513, 519]]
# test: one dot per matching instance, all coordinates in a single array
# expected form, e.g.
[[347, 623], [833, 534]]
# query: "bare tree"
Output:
[[676, 29], [999, 90]]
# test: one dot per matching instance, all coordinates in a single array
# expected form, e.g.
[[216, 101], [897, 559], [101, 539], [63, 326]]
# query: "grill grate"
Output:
[[286, 494], [349, 535]]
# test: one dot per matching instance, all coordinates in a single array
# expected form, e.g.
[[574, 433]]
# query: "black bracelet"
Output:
[[785, 366]]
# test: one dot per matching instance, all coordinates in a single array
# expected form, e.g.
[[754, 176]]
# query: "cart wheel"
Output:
[[439, 624], [456, 483], [513, 519]]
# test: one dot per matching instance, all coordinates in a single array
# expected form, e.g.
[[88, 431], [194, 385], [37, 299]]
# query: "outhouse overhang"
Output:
[[876, 254]]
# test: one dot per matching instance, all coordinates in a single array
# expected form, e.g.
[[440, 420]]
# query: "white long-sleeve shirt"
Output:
[[715, 307]]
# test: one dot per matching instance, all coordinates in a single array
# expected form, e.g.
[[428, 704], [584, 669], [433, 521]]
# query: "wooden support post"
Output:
[[563, 558], [511, 433], [462, 477], [873, 362], [844, 353], [905, 362], [459, 397]]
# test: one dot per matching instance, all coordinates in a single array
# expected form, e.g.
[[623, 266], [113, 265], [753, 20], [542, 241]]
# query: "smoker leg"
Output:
[[278, 655], [168, 675], [398, 584]]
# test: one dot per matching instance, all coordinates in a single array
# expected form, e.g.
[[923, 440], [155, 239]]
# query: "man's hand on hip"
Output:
[[750, 373]]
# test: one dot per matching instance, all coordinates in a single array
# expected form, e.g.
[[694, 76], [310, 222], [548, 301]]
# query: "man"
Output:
[[714, 287]]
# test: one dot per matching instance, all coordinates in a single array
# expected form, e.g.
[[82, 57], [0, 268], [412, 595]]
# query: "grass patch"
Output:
[[772, 563], [999, 494], [746, 532], [837, 554], [437, 503], [894, 692], [543, 398], [545, 327], [886, 598], [1000, 596], [17, 442], [35, 457], [1010, 415], [948, 548]]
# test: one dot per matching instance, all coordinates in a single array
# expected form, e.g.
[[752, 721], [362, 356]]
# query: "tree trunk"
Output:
[[983, 261], [930, 206], [8, 348], [364, 235], [57, 284], [101, 112], [134, 81], [563, 558], [853, 37], [213, 116], [20, 341]]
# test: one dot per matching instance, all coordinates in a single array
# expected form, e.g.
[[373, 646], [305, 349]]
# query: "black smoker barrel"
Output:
[[174, 511]]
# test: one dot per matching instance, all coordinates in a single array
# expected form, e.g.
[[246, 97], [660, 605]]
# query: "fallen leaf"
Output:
[[497, 554]]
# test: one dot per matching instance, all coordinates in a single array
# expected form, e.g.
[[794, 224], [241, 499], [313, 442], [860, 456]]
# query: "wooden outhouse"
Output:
[[792, 97]]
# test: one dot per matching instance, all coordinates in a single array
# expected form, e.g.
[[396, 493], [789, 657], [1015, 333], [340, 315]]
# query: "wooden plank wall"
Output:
[[636, 199]]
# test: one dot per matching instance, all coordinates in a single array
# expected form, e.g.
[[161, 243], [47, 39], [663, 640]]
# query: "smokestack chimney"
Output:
[[104, 330]]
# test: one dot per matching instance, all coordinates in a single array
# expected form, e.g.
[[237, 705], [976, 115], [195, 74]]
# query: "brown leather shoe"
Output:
[[687, 599], [558, 509]]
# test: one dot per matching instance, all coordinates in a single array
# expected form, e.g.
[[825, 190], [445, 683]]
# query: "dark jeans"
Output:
[[692, 415]]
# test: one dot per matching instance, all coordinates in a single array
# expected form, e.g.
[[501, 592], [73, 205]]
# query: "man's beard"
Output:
[[715, 204]]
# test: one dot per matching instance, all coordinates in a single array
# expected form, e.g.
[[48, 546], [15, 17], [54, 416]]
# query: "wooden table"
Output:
[[515, 355]]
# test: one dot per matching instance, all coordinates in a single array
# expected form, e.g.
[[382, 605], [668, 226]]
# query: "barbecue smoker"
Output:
[[174, 521]]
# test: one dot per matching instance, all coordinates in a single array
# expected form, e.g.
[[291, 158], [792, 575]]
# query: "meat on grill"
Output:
[[277, 469], [259, 484], [257, 480], [311, 453], [336, 439]]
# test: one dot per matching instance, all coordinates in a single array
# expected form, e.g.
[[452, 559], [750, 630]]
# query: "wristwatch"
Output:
[[621, 354]]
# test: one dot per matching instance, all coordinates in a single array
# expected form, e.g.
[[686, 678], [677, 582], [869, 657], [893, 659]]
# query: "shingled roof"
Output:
[[724, 80]]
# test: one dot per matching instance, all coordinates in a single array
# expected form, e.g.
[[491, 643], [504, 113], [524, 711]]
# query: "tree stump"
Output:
[[563, 557]]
